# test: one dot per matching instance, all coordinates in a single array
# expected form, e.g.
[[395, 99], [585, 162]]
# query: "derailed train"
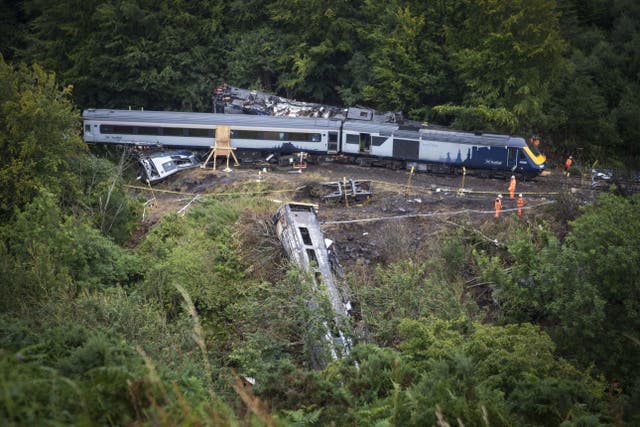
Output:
[[361, 136]]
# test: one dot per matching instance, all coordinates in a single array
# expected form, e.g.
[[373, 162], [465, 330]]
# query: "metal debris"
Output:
[[352, 189], [158, 166]]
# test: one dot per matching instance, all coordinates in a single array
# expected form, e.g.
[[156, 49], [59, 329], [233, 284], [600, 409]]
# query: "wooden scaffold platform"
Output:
[[222, 147]]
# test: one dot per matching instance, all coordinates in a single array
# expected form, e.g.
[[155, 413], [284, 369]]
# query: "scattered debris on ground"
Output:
[[381, 202]]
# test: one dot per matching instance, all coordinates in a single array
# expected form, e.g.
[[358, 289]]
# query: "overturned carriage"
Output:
[[299, 231]]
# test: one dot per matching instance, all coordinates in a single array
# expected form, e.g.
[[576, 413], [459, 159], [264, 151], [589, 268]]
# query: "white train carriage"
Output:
[[197, 130]]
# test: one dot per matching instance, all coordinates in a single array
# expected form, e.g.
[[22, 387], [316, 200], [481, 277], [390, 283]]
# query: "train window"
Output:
[[333, 136], [294, 136], [306, 237], [173, 131], [353, 139], [116, 129], [271, 136], [311, 254], [147, 130], [307, 137], [248, 134], [123, 129], [378, 140], [169, 166], [200, 133], [87, 128]]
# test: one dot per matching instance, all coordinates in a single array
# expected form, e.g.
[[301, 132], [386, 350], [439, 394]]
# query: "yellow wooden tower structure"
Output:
[[222, 147]]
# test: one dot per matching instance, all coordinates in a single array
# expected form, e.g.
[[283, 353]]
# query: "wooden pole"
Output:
[[406, 190]]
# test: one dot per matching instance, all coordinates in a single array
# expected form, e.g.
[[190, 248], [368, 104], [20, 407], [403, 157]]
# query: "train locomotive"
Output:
[[360, 136]]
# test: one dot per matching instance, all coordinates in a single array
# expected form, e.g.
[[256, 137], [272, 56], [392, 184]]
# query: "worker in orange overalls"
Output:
[[512, 187], [498, 205], [567, 165], [519, 204]]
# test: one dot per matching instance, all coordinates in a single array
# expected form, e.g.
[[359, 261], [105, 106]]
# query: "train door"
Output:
[[365, 142], [512, 157], [333, 143]]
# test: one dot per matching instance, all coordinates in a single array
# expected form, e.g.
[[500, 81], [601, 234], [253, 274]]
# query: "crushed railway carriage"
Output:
[[299, 231], [158, 166], [370, 139], [197, 130]]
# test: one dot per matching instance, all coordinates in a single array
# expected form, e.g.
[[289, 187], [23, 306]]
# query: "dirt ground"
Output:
[[403, 207]]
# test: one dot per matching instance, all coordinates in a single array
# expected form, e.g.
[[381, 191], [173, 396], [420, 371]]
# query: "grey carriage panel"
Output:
[[405, 149], [209, 119], [485, 139], [369, 127]]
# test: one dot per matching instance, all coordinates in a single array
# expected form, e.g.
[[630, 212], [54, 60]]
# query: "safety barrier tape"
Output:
[[431, 214], [247, 193]]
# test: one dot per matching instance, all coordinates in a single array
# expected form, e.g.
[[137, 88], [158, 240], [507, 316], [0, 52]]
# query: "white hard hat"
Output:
[[500, 195], [513, 176], [520, 195]]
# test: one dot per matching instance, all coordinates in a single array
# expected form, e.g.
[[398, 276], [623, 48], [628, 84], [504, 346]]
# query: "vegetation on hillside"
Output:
[[205, 323]]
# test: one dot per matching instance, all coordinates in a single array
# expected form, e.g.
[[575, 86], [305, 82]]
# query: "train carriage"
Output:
[[197, 130]]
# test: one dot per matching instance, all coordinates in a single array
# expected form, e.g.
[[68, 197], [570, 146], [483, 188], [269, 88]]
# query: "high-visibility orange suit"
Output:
[[512, 187], [519, 205], [567, 165], [498, 205]]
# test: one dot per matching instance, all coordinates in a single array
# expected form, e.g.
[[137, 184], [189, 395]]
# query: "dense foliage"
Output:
[[565, 69], [203, 322]]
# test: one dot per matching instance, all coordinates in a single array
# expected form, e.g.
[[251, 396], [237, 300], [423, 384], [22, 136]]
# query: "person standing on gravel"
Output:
[[567, 165], [519, 205], [498, 205], [512, 187]]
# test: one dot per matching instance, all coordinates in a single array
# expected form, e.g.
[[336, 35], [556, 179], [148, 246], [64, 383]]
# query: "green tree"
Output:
[[586, 291], [467, 372], [47, 254], [594, 99], [507, 53], [39, 138], [407, 64], [263, 46], [130, 52], [321, 37]]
